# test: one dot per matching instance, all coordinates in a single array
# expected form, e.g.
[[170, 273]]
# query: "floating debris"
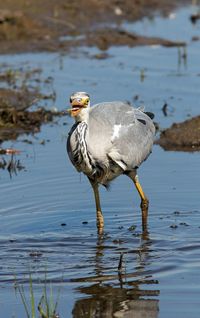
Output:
[[35, 254], [177, 212], [132, 228], [195, 17], [120, 265], [174, 226], [184, 224], [9, 151], [164, 109]]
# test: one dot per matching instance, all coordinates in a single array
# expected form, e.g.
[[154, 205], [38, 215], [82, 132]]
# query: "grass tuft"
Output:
[[47, 307]]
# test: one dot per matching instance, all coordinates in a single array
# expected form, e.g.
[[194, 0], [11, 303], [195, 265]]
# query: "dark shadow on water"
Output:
[[121, 295]]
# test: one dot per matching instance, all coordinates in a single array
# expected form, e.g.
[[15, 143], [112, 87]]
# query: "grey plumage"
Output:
[[108, 139]]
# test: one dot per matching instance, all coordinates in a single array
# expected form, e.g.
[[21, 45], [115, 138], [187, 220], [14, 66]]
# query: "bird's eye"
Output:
[[70, 100]]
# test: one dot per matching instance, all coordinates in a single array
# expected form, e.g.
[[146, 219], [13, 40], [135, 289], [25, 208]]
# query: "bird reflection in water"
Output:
[[122, 294]]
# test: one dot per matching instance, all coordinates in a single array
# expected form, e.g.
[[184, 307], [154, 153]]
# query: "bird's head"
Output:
[[79, 102]]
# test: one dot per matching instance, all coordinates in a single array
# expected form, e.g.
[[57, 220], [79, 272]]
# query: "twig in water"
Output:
[[120, 265], [164, 109]]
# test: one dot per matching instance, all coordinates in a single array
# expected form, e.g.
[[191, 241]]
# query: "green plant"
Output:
[[46, 307]]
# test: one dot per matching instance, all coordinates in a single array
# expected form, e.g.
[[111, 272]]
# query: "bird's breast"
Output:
[[78, 150]]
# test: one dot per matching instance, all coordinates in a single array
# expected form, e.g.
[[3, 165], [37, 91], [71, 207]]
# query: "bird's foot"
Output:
[[100, 222]]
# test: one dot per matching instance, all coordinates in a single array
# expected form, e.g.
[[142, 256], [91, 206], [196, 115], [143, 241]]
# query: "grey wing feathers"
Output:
[[126, 133], [113, 112], [135, 141]]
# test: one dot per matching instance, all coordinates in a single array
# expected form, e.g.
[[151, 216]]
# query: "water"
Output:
[[48, 223]]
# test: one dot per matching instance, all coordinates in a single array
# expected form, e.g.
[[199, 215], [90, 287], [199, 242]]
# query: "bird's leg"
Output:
[[100, 220], [144, 200]]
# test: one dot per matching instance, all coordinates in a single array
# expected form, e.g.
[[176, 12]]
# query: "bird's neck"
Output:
[[83, 116]]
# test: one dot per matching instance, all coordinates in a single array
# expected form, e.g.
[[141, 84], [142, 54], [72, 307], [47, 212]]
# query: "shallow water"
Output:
[[48, 224]]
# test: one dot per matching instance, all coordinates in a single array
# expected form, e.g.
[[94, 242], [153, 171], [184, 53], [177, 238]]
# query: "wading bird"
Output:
[[107, 140]]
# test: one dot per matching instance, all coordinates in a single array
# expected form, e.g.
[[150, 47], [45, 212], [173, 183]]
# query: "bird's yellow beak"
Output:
[[77, 104]]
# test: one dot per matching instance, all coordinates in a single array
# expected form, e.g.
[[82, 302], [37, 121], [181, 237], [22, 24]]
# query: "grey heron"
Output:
[[107, 140]]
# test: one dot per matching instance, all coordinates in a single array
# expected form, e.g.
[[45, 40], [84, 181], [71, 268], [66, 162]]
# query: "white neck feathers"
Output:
[[83, 115]]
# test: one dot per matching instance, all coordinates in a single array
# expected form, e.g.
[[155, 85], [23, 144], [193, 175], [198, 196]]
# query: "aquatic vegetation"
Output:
[[12, 165], [47, 306], [24, 95]]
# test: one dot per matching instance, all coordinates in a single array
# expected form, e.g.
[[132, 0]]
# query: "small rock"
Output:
[[174, 226], [183, 223], [177, 212], [42, 142], [132, 228], [117, 241], [118, 11], [35, 254]]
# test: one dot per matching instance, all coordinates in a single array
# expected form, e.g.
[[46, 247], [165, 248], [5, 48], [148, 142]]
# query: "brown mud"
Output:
[[14, 122], [183, 136], [105, 38], [16, 101], [33, 25]]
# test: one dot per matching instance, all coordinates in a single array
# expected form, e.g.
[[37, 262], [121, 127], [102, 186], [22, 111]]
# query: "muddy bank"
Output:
[[105, 38], [15, 116], [20, 103], [183, 136], [34, 25]]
